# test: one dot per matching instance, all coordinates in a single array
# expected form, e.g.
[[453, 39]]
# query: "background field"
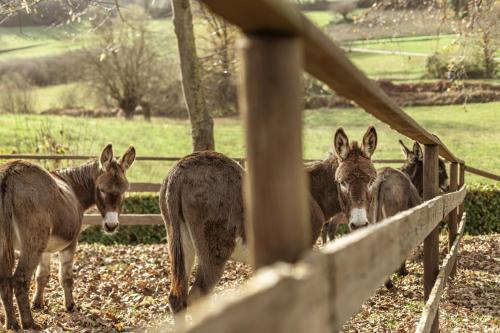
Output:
[[470, 132]]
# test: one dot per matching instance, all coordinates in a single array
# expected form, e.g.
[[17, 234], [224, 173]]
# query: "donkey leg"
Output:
[[212, 256], [7, 294], [66, 257], [324, 233], [402, 270], [21, 283], [208, 273], [42, 278]]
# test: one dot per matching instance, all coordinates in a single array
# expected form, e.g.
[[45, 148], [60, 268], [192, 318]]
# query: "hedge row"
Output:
[[482, 205]]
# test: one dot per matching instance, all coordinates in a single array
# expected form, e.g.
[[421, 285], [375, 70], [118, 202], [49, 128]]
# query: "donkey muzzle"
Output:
[[358, 219], [110, 222]]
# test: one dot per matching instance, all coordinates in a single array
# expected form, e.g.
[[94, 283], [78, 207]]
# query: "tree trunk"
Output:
[[201, 122], [128, 106]]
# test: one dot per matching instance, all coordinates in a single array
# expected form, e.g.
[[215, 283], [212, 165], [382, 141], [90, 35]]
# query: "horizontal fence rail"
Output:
[[241, 160], [324, 290]]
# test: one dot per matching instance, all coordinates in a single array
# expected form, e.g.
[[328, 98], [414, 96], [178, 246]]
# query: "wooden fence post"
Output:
[[431, 242], [461, 183], [276, 186], [453, 216]]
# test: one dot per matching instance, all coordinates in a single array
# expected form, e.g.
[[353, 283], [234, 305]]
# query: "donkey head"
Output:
[[355, 175], [111, 185], [414, 167]]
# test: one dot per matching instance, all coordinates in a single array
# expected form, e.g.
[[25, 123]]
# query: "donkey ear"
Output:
[[369, 142], [341, 144], [106, 157], [417, 150], [404, 149], [128, 158]]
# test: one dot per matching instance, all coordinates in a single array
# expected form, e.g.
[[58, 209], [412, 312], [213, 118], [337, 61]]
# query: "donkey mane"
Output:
[[81, 179]]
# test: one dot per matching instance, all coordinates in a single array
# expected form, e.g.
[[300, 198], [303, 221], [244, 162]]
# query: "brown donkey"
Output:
[[368, 195], [202, 205], [41, 213], [414, 168]]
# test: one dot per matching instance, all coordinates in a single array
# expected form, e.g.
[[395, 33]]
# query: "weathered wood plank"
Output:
[[144, 187], [280, 298], [453, 215], [240, 160], [482, 173], [432, 305], [377, 252], [461, 182], [276, 193], [262, 16], [431, 242], [126, 219], [453, 199]]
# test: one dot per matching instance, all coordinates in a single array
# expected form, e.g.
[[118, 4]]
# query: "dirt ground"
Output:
[[125, 288]]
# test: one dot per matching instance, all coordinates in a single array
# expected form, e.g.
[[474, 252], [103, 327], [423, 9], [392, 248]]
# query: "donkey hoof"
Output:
[[31, 326], [389, 285], [38, 305], [176, 303], [403, 272], [71, 307]]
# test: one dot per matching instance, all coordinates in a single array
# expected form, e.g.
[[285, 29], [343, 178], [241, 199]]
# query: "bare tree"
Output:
[[483, 21], [219, 61], [123, 63], [201, 121]]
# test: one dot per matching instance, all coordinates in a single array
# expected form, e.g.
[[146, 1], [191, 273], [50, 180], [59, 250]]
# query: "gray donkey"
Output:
[[414, 168], [368, 195], [41, 213], [202, 205]]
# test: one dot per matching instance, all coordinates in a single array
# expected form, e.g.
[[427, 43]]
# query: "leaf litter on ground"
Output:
[[125, 289]]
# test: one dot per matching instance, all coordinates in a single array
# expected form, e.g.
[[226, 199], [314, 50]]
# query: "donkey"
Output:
[[201, 204], [41, 213], [368, 195], [414, 168]]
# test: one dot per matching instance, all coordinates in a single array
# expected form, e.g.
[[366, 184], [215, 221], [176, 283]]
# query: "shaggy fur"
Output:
[[202, 205]]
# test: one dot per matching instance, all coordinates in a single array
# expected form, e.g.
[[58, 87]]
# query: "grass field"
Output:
[[471, 133]]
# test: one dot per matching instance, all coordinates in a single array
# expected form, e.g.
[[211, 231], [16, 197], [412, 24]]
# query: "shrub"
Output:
[[16, 96], [482, 205], [460, 62]]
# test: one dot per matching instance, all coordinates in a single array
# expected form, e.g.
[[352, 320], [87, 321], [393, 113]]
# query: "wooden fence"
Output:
[[295, 289], [147, 187]]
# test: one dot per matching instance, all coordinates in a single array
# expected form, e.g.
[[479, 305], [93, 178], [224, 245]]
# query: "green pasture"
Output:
[[471, 132]]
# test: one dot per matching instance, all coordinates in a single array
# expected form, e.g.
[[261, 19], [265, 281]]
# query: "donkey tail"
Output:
[[171, 210], [6, 232]]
